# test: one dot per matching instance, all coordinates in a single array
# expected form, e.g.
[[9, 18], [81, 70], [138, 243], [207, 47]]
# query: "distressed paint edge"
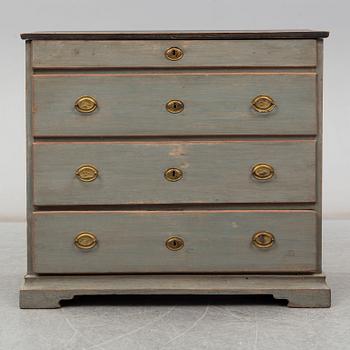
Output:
[[29, 152], [179, 212], [319, 149], [137, 75], [175, 142]]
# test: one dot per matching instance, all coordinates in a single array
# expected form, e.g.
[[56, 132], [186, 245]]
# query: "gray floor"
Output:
[[176, 323]]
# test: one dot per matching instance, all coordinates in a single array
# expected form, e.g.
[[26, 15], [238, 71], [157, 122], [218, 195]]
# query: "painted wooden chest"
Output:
[[174, 163]]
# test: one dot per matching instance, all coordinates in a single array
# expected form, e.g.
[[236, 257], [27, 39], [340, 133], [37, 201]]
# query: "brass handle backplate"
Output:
[[263, 171], [174, 54], [263, 239], [263, 104], [85, 240], [87, 172], [173, 174], [175, 106], [85, 104], [174, 243]]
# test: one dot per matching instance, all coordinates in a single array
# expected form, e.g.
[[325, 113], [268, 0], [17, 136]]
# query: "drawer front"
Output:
[[135, 242], [196, 53], [136, 104], [134, 172]]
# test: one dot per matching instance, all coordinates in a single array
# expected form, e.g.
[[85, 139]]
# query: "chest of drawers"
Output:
[[174, 163]]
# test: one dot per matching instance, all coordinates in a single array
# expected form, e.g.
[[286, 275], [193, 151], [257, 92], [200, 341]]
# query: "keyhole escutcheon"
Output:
[[173, 174], [174, 53], [175, 106], [174, 243]]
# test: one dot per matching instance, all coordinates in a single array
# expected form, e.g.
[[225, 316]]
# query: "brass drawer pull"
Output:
[[263, 171], [85, 104], [173, 174], [263, 239], [87, 172], [174, 243], [175, 106], [263, 104], [85, 240], [174, 54]]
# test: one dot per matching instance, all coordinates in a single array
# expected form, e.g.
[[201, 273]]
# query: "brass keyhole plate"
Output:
[[263, 239], [174, 243], [173, 174], [175, 106], [85, 104], [85, 240], [263, 104], [87, 172], [174, 54], [263, 171]]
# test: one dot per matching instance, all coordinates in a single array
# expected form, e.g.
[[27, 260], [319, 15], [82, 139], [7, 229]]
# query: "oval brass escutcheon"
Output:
[[263, 239], [174, 54], [263, 171], [263, 104], [174, 243], [173, 174], [87, 172], [85, 240], [85, 104], [175, 106]]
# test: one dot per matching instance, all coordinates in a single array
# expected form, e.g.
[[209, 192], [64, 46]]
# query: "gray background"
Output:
[[23, 16], [175, 323]]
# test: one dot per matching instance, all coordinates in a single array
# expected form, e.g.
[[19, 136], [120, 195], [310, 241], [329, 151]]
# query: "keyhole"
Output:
[[173, 53], [174, 243], [175, 106], [262, 239], [173, 174]]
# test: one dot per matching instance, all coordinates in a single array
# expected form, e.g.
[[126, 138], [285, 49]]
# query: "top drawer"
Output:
[[194, 53]]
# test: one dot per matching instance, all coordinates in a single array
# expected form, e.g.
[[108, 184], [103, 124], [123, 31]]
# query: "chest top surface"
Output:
[[173, 35]]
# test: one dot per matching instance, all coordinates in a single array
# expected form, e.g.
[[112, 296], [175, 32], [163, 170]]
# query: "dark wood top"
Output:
[[174, 35]]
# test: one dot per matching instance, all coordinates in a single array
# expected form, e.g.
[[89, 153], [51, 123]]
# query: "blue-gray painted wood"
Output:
[[215, 104], [216, 174], [214, 241], [45, 291], [197, 53], [133, 172]]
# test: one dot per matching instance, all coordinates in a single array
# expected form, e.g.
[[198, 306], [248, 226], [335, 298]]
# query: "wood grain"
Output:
[[134, 242], [134, 104], [133, 172], [197, 53]]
